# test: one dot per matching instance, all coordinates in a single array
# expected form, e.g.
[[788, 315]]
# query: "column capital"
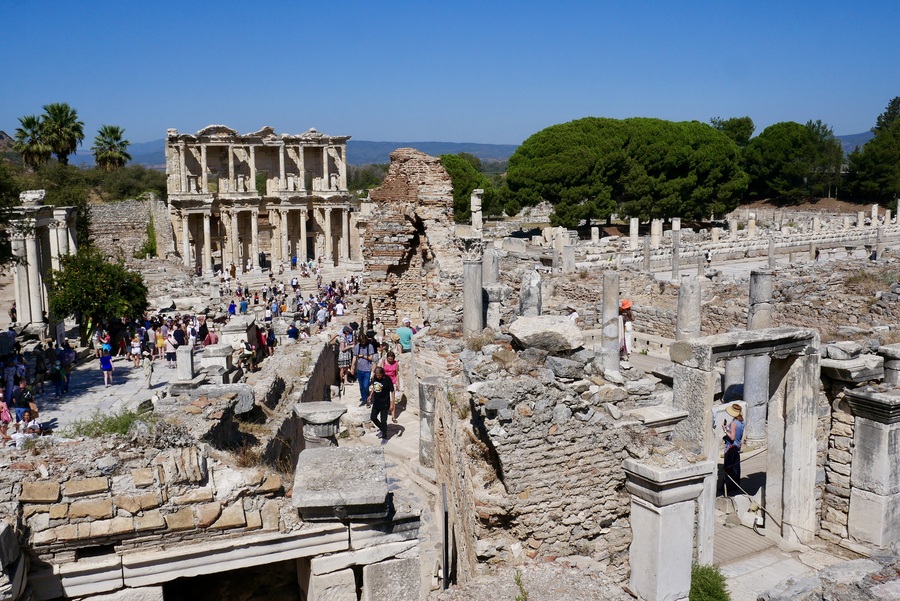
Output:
[[472, 248], [665, 485]]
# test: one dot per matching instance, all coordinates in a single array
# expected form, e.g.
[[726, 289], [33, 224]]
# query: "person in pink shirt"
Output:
[[392, 370]]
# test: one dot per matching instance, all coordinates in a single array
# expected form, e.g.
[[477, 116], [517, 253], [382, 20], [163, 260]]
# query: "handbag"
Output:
[[5, 415]]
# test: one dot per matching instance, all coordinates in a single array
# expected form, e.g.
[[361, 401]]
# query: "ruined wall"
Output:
[[408, 244], [119, 229], [836, 490]]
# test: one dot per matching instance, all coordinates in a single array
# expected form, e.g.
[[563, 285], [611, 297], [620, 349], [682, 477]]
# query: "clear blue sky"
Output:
[[463, 71]]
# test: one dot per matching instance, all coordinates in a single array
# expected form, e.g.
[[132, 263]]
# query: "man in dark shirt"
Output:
[[179, 336], [293, 332], [381, 396], [364, 356]]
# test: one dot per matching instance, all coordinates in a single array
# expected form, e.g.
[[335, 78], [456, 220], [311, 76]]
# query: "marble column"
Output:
[[182, 168], [475, 210], [568, 259], [772, 258], [756, 369], [54, 244], [874, 215], [432, 393], [286, 236], [812, 251], [232, 185], [846, 222], [609, 334], [676, 224], [281, 180], [861, 219], [595, 235], [816, 225], [491, 266], [646, 252], [236, 241], [326, 179], [751, 229], [676, 254], [342, 171], [185, 239], [301, 167], [252, 185], [204, 172], [329, 243], [634, 225], [733, 229], [687, 321], [473, 289], [301, 252], [254, 239], [879, 241], [345, 235], [35, 282], [715, 234], [207, 246], [20, 279], [655, 233], [887, 216]]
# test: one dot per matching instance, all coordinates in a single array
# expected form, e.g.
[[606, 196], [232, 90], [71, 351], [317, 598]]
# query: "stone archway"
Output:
[[791, 422]]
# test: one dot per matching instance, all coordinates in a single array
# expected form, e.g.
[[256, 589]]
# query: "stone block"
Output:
[[565, 368], [552, 333], [58, 511], [39, 492], [87, 486], [271, 484], [232, 517], [93, 508], [336, 586], [875, 449], [180, 520], [135, 503], [90, 576], [341, 482], [207, 514], [340, 561], [196, 495], [659, 570], [395, 579], [366, 535], [151, 520], [145, 593], [874, 518]]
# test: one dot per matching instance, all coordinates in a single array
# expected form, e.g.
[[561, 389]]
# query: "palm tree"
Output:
[[30, 141], [110, 150], [62, 130]]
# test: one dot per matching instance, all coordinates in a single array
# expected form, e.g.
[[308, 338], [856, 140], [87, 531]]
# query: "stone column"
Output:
[[20, 278], [232, 186], [879, 241], [286, 236], [715, 234], [281, 178], [185, 239], [655, 233], [568, 259], [733, 229], [182, 168], [35, 281], [595, 235], [646, 252], [846, 222], [252, 186], [751, 229], [54, 244], [432, 391], [634, 227], [301, 166], [874, 215], [609, 334], [491, 266], [345, 235], [812, 251], [207, 246], [687, 322], [473, 303], [817, 225], [254, 238], [329, 243], [342, 167], [676, 254], [861, 219], [875, 473], [887, 216], [62, 235], [326, 179], [530, 302], [301, 253], [236, 257], [204, 172], [734, 376], [772, 258], [676, 224], [475, 204], [756, 370], [662, 526]]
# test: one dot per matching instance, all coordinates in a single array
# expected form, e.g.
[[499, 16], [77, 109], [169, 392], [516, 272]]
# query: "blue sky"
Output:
[[490, 72]]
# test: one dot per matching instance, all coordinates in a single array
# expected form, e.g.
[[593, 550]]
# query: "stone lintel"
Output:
[[856, 370], [187, 561], [878, 406], [339, 483], [703, 353], [90, 576], [663, 484]]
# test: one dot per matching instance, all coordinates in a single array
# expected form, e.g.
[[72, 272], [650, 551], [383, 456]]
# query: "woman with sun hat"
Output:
[[734, 434]]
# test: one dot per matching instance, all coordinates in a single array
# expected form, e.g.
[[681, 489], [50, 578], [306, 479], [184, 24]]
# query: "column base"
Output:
[[874, 518]]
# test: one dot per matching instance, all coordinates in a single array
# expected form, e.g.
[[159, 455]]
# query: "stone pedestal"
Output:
[[647, 253], [431, 391], [609, 337], [568, 259], [321, 422], [184, 369], [662, 526], [733, 229], [676, 254], [887, 216], [655, 233], [847, 220], [874, 515], [687, 322], [861, 219], [879, 242], [490, 266], [530, 294], [751, 229], [633, 232], [595, 235], [772, 259], [338, 483], [816, 225], [874, 215], [676, 224]]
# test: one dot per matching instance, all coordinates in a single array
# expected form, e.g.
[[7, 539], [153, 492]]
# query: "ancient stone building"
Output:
[[259, 199], [411, 255]]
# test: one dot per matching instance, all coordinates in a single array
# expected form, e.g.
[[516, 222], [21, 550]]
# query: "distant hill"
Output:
[[359, 152], [851, 141]]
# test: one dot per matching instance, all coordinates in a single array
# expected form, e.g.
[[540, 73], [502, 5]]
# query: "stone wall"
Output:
[[836, 494], [119, 229], [408, 246]]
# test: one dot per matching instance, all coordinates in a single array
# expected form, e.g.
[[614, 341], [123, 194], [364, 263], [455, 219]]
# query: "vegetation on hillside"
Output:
[[875, 168]]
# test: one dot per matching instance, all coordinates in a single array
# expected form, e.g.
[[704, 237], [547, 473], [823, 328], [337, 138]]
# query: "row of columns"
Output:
[[231, 222]]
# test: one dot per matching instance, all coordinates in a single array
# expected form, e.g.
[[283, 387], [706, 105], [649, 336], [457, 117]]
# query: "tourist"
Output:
[[58, 377], [5, 419], [573, 314], [106, 367], [381, 398], [404, 336], [68, 362], [148, 368], [160, 342], [364, 356], [734, 434], [247, 358], [171, 346], [293, 333], [136, 350], [211, 337], [22, 399], [626, 321], [378, 326], [271, 340], [708, 258], [31, 429], [391, 368], [40, 368], [13, 314], [345, 354]]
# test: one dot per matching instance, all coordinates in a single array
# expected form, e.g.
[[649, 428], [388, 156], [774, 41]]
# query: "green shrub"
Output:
[[149, 247], [101, 424], [708, 584]]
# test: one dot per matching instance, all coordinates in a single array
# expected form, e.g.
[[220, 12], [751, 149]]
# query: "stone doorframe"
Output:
[[790, 426]]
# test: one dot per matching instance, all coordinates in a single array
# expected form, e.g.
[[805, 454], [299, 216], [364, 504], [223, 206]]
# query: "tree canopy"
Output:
[[739, 129], [89, 286], [789, 160], [646, 168], [110, 148], [875, 169], [464, 170], [62, 130]]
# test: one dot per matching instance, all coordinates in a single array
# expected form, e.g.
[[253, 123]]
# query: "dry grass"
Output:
[[869, 282], [476, 342], [248, 456]]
